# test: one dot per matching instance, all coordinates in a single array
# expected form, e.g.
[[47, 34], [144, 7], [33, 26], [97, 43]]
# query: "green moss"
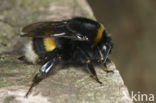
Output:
[[8, 99], [2, 83], [63, 3]]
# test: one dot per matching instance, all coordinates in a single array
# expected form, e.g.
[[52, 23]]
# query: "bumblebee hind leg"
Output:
[[44, 71]]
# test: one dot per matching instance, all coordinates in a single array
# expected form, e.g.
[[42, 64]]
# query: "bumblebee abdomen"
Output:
[[30, 53], [43, 45], [38, 48]]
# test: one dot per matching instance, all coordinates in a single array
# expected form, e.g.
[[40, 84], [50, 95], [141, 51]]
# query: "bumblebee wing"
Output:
[[54, 29], [40, 29]]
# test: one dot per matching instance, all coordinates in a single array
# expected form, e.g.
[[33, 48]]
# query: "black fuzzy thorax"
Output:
[[72, 54]]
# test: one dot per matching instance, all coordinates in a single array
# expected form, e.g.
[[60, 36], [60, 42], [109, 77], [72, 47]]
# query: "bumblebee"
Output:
[[78, 40]]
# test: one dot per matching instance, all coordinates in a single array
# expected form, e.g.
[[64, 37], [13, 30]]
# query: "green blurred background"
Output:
[[132, 24]]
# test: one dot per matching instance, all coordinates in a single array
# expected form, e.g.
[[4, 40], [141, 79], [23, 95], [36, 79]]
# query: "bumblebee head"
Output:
[[105, 43]]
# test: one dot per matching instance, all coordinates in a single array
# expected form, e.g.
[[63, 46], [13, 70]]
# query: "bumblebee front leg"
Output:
[[90, 65], [92, 71], [43, 73], [105, 66], [104, 61]]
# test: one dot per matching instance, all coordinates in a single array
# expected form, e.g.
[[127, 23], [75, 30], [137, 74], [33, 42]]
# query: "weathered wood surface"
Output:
[[65, 85]]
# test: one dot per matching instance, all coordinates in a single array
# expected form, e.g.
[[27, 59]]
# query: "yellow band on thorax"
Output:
[[99, 34], [49, 44]]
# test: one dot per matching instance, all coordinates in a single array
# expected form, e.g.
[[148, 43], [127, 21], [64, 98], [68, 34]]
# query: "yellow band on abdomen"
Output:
[[49, 44]]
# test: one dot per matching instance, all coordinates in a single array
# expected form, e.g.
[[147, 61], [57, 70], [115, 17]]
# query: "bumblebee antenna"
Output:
[[107, 53]]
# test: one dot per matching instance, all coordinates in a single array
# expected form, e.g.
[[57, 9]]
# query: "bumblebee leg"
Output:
[[37, 78], [105, 66], [90, 65], [92, 71], [21, 58], [104, 62], [46, 68]]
